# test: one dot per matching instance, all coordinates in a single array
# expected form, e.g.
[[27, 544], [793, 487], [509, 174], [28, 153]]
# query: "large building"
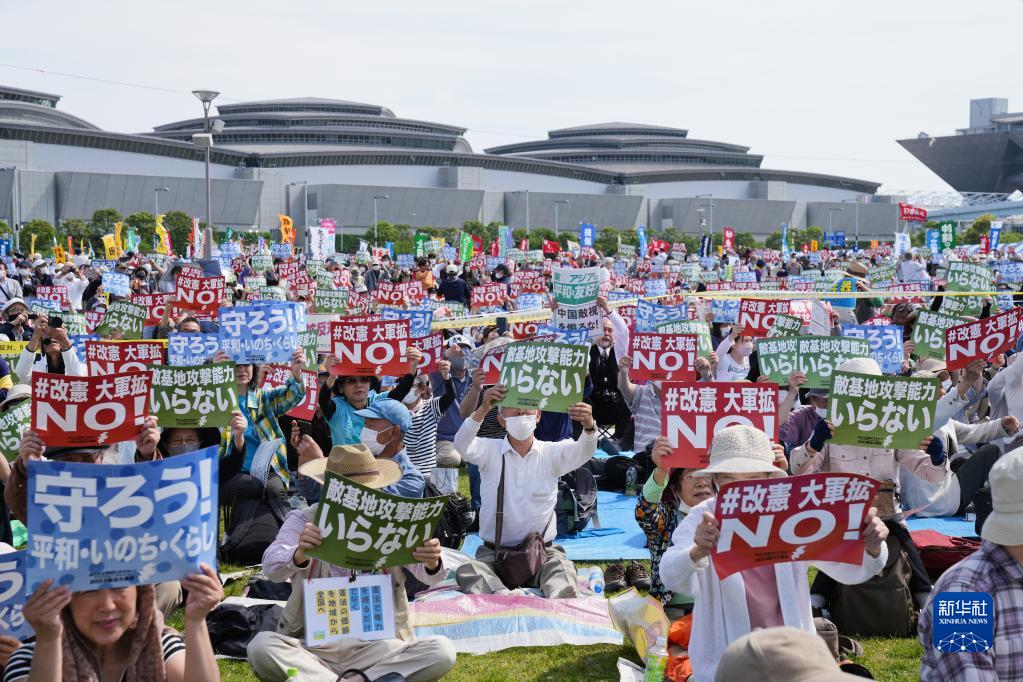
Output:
[[986, 157], [315, 158]]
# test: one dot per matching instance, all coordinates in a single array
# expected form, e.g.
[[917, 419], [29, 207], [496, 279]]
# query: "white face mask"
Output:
[[744, 349], [822, 412], [725, 331], [412, 398], [368, 437], [946, 385], [522, 427]]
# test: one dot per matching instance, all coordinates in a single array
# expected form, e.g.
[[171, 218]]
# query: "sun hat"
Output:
[[12, 302], [856, 269], [460, 340], [391, 410], [356, 462], [932, 365], [451, 269], [860, 366], [1004, 525], [818, 393], [16, 392], [780, 654], [740, 449]]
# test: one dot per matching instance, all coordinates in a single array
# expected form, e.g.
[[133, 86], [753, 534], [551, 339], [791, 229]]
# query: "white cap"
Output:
[[1004, 526], [861, 366]]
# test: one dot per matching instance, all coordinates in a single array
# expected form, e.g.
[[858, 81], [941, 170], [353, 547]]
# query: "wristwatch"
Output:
[[590, 429]]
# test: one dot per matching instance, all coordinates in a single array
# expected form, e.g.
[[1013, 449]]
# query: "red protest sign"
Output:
[[374, 348], [550, 247], [491, 365], [93, 319], [799, 518], [728, 239], [56, 294], [906, 287], [523, 330], [432, 347], [342, 278], [692, 412], [389, 293], [155, 305], [117, 357], [302, 284], [202, 294], [912, 213], [757, 316], [100, 410], [983, 339], [288, 270], [488, 294], [530, 282], [278, 375], [662, 357]]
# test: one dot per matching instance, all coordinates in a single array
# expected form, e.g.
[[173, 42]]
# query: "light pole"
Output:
[[375, 197], [711, 204], [207, 97], [556, 202], [156, 198], [856, 245]]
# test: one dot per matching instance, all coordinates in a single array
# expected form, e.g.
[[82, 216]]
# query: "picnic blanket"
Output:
[[953, 526]]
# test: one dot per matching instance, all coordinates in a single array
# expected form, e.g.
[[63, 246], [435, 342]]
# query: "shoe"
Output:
[[614, 578], [637, 576]]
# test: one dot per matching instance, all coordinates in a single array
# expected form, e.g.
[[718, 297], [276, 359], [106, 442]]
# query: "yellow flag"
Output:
[[32, 246], [118, 249], [287, 230], [59, 256], [110, 246], [813, 244]]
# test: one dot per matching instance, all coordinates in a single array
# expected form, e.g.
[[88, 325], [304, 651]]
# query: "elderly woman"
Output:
[[767, 596]]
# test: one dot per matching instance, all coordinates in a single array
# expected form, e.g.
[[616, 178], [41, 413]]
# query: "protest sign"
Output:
[[843, 285], [816, 356], [692, 412], [359, 608], [814, 517], [572, 286], [704, 345], [278, 375], [11, 351], [432, 348], [419, 320], [882, 273], [579, 317], [331, 301], [964, 276], [543, 376], [885, 344], [155, 305], [785, 325], [374, 348], [261, 262], [929, 333], [74, 323], [55, 294], [982, 339], [270, 294], [881, 412], [13, 595], [662, 357], [757, 316], [203, 294], [578, 337], [404, 293], [123, 319], [650, 315], [725, 310], [14, 422], [97, 526], [487, 295], [186, 350], [71, 410], [193, 397], [530, 282], [367, 529], [116, 283], [261, 334]]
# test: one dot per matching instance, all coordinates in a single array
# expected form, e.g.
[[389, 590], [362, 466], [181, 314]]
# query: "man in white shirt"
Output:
[[76, 284], [911, 270], [531, 470]]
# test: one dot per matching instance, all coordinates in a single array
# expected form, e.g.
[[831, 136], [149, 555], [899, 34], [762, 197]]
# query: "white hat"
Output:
[[451, 269], [12, 301], [860, 366], [16, 392], [740, 449], [37, 262], [1004, 525]]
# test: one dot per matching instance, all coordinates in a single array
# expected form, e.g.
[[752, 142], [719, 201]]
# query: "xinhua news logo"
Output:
[[963, 622]]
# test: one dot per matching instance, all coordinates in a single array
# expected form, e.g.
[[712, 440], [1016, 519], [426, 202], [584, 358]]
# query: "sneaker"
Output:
[[614, 578], [637, 576]]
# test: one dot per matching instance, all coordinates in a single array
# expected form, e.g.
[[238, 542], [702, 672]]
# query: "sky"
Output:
[[816, 85]]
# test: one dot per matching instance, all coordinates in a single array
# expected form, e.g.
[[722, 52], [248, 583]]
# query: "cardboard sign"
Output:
[[388, 293], [261, 334], [693, 411], [203, 294], [885, 343], [587, 318], [649, 316], [488, 295], [815, 517], [113, 357], [13, 595], [432, 348], [572, 286], [70, 410], [55, 294], [531, 282], [194, 397], [14, 422], [188, 350], [816, 356], [331, 301], [96, 526], [757, 316], [122, 318], [964, 276], [982, 339], [116, 283], [155, 305], [662, 357], [929, 333], [374, 348], [882, 412], [704, 344], [544, 376], [278, 375], [360, 608]]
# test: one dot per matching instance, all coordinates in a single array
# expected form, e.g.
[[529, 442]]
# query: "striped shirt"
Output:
[[20, 664], [421, 438], [646, 416]]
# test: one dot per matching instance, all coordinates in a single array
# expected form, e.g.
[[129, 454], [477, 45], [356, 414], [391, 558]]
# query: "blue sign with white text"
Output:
[[12, 595], [587, 234], [116, 283], [649, 315], [190, 350], [261, 334], [963, 622], [885, 343], [579, 337], [725, 309], [419, 320]]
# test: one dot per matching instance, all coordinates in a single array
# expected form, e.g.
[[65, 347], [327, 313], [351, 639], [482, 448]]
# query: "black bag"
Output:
[[519, 565], [615, 471], [577, 501], [456, 519], [250, 527], [881, 607], [232, 626], [982, 506]]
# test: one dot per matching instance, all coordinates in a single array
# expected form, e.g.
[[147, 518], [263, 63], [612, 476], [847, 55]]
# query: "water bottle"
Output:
[[970, 513], [630, 481], [595, 579], [656, 661]]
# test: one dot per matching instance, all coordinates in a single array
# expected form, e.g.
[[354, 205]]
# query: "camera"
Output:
[[55, 322]]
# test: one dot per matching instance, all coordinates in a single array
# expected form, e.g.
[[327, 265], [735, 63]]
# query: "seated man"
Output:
[[271, 654], [529, 470]]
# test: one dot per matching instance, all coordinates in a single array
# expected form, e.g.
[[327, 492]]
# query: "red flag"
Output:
[[550, 247], [477, 245], [728, 241], [493, 248], [523, 244]]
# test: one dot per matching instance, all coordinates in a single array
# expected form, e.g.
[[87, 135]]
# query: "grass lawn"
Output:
[[890, 660]]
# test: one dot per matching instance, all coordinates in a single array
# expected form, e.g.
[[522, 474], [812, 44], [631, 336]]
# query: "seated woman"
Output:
[[50, 351], [116, 634]]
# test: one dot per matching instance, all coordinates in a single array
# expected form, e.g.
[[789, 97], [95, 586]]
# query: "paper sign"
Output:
[[70, 410], [965, 277], [203, 294], [344, 608], [117, 357], [692, 412], [432, 348], [578, 337], [487, 295], [13, 422], [586, 318], [278, 375], [815, 517], [704, 345], [572, 286], [882, 412], [55, 294], [650, 316], [419, 320], [96, 526], [261, 334], [116, 283], [544, 376], [983, 339], [758, 316], [13, 596], [194, 397], [662, 357], [374, 348], [187, 350], [155, 305], [785, 325], [816, 356], [389, 293], [331, 301], [123, 317], [929, 333], [885, 343]]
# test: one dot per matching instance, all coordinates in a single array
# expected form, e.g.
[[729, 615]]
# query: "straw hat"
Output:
[[1004, 525], [355, 462], [740, 449], [782, 654], [856, 269]]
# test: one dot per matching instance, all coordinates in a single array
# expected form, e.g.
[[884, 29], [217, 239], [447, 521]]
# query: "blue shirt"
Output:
[[251, 439], [411, 483], [452, 420], [345, 425]]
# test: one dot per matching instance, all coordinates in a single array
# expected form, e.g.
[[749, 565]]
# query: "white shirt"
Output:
[[729, 369], [76, 286], [912, 271], [36, 362], [530, 482]]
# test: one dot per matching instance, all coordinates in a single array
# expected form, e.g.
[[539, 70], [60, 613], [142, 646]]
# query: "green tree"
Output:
[[103, 221], [44, 236], [773, 241], [980, 228], [607, 241], [178, 225], [5, 228], [144, 224], [77, 229], [747, 240]]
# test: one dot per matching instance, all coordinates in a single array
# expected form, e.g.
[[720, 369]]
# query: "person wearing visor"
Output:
[[49, 350]]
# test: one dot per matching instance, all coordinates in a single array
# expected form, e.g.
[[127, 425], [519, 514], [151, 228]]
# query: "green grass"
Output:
[[890, 660]]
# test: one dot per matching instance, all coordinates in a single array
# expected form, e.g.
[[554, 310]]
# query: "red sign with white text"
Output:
[[278, 375], [374, 348], [57, 294], [492, 294], [155, 306], [202, 294], [432, 347], [912, 213], [98, 411], [389, 293], [982, 339], [757, 316], [117, 357], [662, 357]]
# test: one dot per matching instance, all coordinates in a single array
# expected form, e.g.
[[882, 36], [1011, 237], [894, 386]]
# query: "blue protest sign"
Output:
[[450, 253], [748, 277], [934, 241], [95, 526], [649, 315], [725, 309], [493, 262], [13, 596], [641, 233], [116, 283], [620, 268], [587, 235], [620, 295], [846, 284], [963, 622], [405, 260], [230, 249], [189, 350], [78, 343], [261, 334], [281, 250], [99, 263], [529, 302], [655, 287], [885, 343], [995, 235], [578, 337], [5, 247], [1011, 271], [419, 320]]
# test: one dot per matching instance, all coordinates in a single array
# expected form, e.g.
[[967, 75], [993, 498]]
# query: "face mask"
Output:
[[368, 437], [182, 449], [521, 428], [744, 349], [457, 364], [412, 397], [725, 331], [822, 412], [946, 385]]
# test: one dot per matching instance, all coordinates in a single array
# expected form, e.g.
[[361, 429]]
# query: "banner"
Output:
[[14, 421], [543, 376], [934, 241], [116, 283], [885, 343], [757, 316], [587, 235], [575, 286], [374, 348], [692, 412], [815, 517], [995, 234], [586, 317], [650, 315], [728, 239], [419, 320], [357, 607], [816, 356], [948, 234], [70, 410], [982, 339], [188, 350], [194, 397], [56, 294], [912, 213], [125, 317], [882, 412], [488, 295], [13, 595], [261, 334], [97, 526], [662, 357], [117, 357], [929, 333]]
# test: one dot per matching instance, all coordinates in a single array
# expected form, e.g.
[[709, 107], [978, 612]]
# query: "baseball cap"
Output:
[[391, 410], [451, 270], [460, 340]]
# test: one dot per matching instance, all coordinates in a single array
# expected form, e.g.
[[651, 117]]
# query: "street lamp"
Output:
[[556, 202], [711, 204], [156, 197], [206, 140], [375, 197]]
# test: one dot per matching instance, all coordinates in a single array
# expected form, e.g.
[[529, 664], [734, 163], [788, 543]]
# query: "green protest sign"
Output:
[[324, 280], [704, 345], [307, 340], [314, 266], [948, 235], [534, 256], [575, 286], [43, 308], [331, 301], [365, 529], [816, 356], [13, 423], [420, 244], [885, 272], [261, 262], [965, 277], [465, 247], [785, 325], [254, 283], [929, 333], [194, 396], [74, 323], [543, 376], [691, 272], [881, 411], [125, 317], [271, 294]]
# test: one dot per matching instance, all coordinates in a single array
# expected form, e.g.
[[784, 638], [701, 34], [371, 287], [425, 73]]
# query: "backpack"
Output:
[[939, 552], [232, 626], [456, 519], [615, 471], [577, 501], [881, 607], [251, 525]]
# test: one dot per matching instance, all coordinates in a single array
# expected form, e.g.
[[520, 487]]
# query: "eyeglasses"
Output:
[[357, 380]]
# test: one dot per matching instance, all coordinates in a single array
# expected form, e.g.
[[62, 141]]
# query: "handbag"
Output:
[[519, 565]]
